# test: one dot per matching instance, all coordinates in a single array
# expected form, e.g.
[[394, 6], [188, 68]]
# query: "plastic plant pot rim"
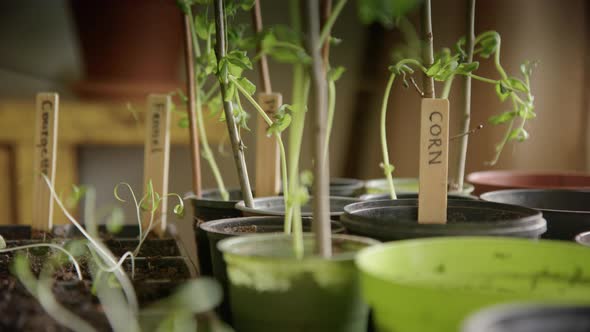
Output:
[[210, 198], [227, 247], [466, 241], [241, 205], [385, 196], [209, 226], [530, 218], [488, 197], [400, 181], [477, 177], [489, 317]]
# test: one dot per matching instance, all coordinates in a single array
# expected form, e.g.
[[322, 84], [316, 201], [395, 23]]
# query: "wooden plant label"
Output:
[[156, 156], [267, 149], [44, 159], [434, 143]]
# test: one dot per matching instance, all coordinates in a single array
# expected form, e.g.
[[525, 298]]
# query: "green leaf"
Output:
[[466, 68], [518, 134], [240, 59], [517, 84], [434, 69], [502, 91], [279, 125], [502, 118], [194, 296], [202, 25], [334, 74], [384, 12], [116, 221], [306, 178], [489, 45], [179, 210], [247, 85], [230, 91]]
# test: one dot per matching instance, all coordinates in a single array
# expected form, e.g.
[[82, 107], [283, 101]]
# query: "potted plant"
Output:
[[121, 283], [464, 217], [223, 74], [286, 262]]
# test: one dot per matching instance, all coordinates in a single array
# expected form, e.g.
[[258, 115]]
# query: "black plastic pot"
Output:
[[218, 230], [275, 206], [567, 211], [15, 232], [385, 196], [530, 318], [397, 220], [210, 206]]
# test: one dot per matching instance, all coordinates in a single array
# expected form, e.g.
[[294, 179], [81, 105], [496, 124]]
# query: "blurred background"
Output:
[[101, 55]]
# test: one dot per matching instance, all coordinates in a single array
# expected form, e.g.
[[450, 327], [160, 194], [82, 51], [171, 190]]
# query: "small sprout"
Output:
[[179, 210], [307, 178]]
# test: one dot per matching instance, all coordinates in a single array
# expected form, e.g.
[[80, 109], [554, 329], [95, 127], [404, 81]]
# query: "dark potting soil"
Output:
[[21, 312], [158, 269], [241, 229], [149, 248]]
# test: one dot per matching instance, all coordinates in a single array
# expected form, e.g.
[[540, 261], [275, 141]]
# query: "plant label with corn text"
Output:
[[434, 144]]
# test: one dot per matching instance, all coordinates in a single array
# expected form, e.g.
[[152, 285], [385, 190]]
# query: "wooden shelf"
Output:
[[80, 124]]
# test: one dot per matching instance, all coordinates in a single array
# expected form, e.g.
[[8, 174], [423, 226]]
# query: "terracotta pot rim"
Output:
[[501, 178]]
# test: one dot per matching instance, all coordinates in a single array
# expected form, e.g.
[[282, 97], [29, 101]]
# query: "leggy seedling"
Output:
[[446, 66]]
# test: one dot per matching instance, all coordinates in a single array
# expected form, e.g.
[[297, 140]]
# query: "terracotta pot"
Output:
[[504, 179], [129, 48]]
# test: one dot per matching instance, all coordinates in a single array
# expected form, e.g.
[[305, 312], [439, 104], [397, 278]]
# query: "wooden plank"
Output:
[[94, 123], [44, 159], [7, 215], [434, 150], [157, 156], [267, 149]]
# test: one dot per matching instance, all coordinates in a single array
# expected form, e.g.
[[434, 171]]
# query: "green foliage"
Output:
[[115, 221], [283, 45], [282, 120], [385, 12]]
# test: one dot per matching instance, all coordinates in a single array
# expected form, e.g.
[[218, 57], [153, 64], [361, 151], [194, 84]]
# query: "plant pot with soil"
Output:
[[272, 290], [486, 181], [218, 230], [434, 284], [530, 318], [398, 220], [567, 212]]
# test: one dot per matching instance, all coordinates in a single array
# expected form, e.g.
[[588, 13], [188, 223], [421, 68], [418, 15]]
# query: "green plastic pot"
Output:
[[271, 290], [433, 284], [405, 186]]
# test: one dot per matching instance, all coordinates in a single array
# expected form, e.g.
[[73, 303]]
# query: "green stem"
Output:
[[331, 110], [269, 122], [330, 22], [447, 87], [384, 148], [483, 79], [500, 147]]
